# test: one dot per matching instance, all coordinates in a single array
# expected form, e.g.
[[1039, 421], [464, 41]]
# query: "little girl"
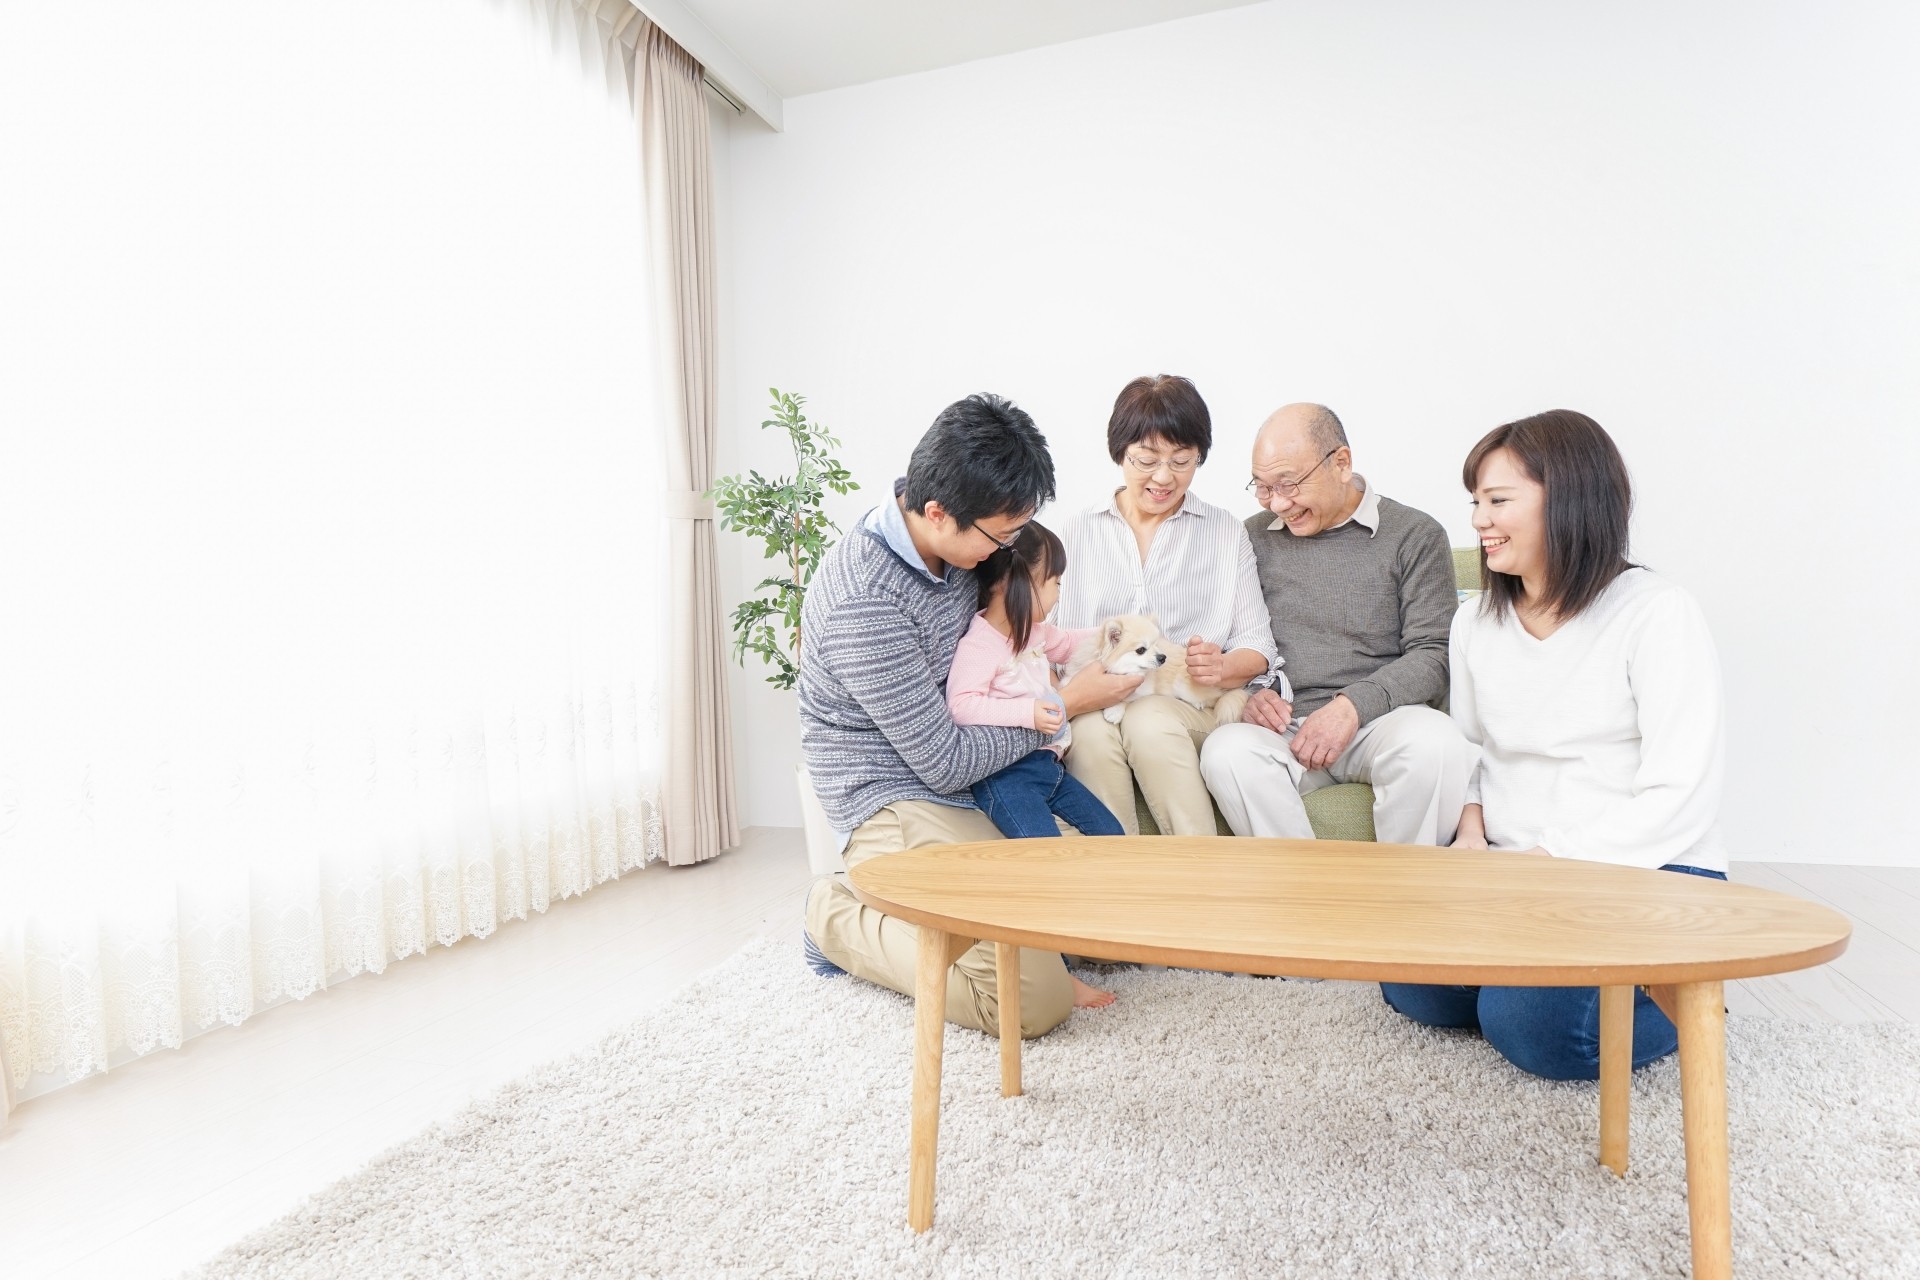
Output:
[[1002, 675]]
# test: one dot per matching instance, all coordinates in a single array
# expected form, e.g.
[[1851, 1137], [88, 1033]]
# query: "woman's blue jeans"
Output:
[[1549, 1031], [1023, 799]]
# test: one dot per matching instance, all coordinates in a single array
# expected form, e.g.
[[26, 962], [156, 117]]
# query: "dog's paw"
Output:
[[1114, 712]]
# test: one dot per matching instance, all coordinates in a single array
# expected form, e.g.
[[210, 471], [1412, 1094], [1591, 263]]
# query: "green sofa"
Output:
[[1343, 811]]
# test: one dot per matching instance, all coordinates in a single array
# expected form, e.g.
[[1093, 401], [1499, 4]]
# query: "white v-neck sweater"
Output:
[[1604, 741]]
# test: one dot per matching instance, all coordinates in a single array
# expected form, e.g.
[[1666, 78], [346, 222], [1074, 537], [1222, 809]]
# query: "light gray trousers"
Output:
[[1415, 758]]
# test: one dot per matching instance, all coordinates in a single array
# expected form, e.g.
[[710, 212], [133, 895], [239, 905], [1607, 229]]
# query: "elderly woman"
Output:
[[1592, 687], [1153, 547]]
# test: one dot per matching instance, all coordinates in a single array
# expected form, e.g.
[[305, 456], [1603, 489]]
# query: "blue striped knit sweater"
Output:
[[877, 637]]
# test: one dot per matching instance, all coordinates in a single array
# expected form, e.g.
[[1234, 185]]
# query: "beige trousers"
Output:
[[872, 945], [1157, 741]]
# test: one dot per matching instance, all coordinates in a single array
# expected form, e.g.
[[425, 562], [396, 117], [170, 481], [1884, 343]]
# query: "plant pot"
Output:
[[823, 846]]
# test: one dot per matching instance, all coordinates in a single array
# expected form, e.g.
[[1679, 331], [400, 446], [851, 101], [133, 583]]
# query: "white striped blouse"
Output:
[[1199, 577]]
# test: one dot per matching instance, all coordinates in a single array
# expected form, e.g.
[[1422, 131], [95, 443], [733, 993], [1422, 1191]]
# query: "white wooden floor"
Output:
[[158, 1165]]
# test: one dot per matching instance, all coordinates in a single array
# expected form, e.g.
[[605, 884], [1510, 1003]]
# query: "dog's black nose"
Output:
[[1159, 659]]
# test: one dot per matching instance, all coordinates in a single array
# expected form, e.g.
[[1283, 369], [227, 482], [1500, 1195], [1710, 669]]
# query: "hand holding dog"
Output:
[[1094, 688], [1206, 664], [1268, 710]]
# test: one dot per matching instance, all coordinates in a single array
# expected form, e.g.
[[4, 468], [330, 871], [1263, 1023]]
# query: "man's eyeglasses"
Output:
[[1011, 538], [1148, 465], [1288, 488]]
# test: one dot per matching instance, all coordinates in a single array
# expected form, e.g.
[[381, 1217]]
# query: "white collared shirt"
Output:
[[1366, 515], [1198, 578]]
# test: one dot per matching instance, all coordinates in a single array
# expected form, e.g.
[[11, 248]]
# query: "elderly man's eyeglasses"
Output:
[[1147, 464], [1288, 488]]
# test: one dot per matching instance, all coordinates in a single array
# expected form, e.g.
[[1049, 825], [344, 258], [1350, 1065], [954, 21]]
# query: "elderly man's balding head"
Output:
[[1314, 424], [1301, 455]]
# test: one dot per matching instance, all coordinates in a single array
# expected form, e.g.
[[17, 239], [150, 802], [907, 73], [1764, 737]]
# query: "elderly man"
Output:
[[1361, 592]]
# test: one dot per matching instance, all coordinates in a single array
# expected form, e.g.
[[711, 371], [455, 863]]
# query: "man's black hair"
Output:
[[981, 457]]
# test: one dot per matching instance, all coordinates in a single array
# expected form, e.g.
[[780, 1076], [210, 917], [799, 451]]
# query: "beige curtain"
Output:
[[670, 101]]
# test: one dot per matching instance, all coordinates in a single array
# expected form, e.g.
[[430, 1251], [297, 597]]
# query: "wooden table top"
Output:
[[1346, 909]]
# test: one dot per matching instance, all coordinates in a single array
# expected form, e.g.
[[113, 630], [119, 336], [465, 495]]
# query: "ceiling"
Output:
[[805, 46]]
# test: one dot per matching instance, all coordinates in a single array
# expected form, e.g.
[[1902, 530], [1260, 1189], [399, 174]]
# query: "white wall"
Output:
[[1696, 223]]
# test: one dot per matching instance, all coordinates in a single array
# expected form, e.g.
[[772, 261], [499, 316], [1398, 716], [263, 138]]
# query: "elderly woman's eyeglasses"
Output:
[[1264, 491], [1147, 464]]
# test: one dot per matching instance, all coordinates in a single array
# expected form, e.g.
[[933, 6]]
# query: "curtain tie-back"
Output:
[[688, 504]]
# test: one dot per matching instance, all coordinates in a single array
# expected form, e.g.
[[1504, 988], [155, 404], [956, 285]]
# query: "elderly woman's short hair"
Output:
[[1168, 407]]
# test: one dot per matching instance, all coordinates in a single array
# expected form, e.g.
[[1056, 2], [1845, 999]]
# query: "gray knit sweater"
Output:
[[877, 637], [1360, 612]]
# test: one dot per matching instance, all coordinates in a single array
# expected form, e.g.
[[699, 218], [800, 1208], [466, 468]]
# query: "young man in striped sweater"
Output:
[[883, 617]]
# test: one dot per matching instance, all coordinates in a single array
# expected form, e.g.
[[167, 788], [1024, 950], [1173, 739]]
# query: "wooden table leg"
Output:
[[1703, 1104], [938, 951], [1007, 967], [1616, 1075]]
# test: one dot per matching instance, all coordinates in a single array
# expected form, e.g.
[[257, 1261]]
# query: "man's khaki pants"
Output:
[[1157, 741], [1416, 758], [869, 944]]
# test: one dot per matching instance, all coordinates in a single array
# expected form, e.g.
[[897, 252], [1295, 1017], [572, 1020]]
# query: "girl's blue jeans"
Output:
[[1548, 1031], [1023, 798]]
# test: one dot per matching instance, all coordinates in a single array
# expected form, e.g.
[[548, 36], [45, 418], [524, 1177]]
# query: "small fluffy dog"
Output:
[[1132, 642]]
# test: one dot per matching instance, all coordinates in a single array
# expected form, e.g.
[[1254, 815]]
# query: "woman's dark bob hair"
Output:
[[1589, 501], [1169, 407], [1036, 555]]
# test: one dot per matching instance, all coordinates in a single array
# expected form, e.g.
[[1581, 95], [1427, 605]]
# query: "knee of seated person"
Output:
[[1421, 733], [1046, 995], [1245, 755], [1232, 741], [1035, 1023], [1541, 1041], [1232, 747], [1431, 1006], [1423, 728]]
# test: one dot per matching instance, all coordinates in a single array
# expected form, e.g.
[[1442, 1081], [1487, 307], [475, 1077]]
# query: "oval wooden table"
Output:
[[1378, 912]]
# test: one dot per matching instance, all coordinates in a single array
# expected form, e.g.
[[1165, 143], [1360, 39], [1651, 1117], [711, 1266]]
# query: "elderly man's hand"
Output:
[[1268, 710], [1205, 662], [1326, 733]]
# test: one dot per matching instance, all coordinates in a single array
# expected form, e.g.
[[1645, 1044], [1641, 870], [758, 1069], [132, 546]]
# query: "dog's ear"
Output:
[[1113, 632]]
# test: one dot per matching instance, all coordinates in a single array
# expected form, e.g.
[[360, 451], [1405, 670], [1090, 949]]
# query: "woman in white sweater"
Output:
[[1592, 688]]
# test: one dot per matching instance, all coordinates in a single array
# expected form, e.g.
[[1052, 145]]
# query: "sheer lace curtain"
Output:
[[330, 500]]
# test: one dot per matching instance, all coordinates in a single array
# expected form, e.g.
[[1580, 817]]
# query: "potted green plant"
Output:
[[787, 515]]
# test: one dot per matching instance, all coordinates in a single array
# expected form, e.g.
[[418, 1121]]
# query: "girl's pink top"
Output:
[[991, 684]]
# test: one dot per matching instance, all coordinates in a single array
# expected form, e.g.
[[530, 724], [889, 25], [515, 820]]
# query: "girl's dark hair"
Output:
[[1168, 406], [1036, 553], [1589, 501]]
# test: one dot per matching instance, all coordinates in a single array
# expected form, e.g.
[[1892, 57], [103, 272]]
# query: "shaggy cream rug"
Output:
[[1204, 1125]]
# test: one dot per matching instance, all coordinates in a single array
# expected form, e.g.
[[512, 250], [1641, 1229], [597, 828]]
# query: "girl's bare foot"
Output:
[[1086, 997]]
